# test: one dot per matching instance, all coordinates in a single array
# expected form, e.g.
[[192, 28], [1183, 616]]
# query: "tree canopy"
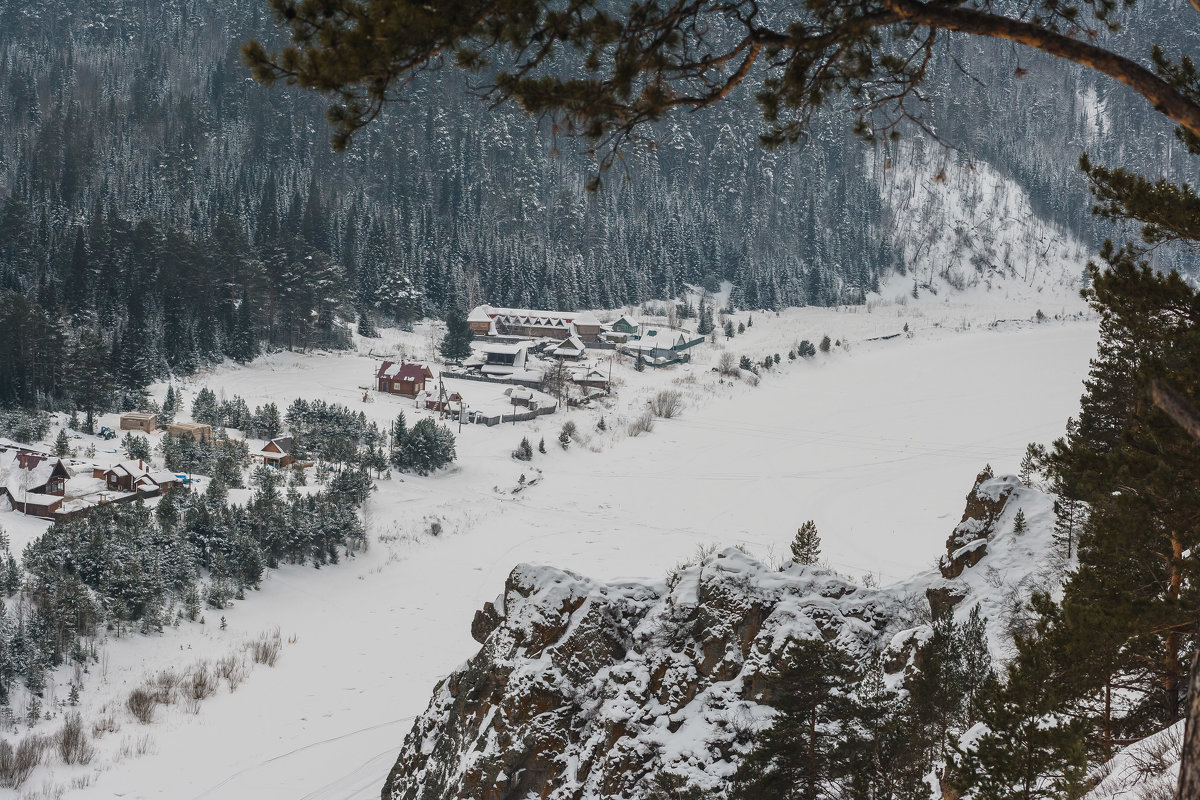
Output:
[[602, 69]]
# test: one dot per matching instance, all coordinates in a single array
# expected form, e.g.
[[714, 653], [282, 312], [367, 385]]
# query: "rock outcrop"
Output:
[[585, 690]]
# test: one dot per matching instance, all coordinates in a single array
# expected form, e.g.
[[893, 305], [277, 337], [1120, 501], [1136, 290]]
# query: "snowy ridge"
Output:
[[584, 689], [959, 224]]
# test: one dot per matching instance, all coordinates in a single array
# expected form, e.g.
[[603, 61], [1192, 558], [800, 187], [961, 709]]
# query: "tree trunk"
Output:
[[1189, 771]]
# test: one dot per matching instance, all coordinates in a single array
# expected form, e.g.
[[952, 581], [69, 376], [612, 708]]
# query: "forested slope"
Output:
[[153, 193]]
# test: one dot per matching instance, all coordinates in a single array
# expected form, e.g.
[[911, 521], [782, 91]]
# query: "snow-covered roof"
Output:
[[23, 469], [505, 349], [35, 499], [533, 316], [572, 344]]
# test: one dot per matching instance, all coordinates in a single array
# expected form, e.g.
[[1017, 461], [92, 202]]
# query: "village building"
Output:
[[276, 453], [136, 476], [589, 378], [624, 325], [139, 421], [488, 321], [403, 378], [34, 483], [501, 359], [660, 347], [572, 347], [450, 403], [199, 431]]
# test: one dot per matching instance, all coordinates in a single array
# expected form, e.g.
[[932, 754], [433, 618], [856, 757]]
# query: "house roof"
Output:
[[138, 415], [571, 344], [22, 470], [283, 443], [404, 371], [533, 316], [505, 349]]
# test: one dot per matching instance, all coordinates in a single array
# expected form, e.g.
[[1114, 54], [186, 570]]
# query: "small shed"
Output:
[[139, 421], [199, 431]]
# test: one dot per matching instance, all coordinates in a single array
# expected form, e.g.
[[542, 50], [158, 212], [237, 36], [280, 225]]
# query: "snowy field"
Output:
[[878, 442]]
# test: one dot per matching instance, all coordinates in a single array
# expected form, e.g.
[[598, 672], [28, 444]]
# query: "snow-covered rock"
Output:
[[584, 690]]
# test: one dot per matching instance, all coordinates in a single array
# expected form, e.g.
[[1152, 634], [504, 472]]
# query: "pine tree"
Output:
[[825, 344], [542, 445], [62, 445], [524, 451], [741, 328], [799, 756], [806, 547], [1019, 523], [1028, 751], [729, 329]]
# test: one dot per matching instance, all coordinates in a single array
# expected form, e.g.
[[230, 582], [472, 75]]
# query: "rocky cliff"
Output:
[[584, 689]]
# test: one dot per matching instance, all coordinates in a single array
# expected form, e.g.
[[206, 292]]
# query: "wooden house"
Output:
[[572, 348], [533, 323], [33, 482], [624, 325], [139, 421], [199, 431], [405, 379], [138, 476], [276, 453]]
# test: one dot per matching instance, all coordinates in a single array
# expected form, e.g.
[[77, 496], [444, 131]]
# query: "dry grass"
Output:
[[643, 424], [266, 648], [232, 670]]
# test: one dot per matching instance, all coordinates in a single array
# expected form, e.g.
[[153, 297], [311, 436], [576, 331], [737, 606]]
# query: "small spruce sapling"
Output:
[[62, 445], [1019, 523], [542, 445], [741, 327], [806, 547], [524, 451]]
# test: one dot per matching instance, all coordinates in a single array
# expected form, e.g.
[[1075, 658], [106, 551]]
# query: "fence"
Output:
[[525, 416]]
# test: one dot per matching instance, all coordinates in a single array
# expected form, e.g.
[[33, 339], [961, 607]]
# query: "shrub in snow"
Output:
[[524, 451], [667, 404], [643, 424]]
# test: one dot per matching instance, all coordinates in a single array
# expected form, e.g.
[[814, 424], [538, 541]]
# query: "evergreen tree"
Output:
[[799, 756], [806, 547], [1019, 523], [456, 345], [524, 451], [62, 445], [729, 329], [825, 344]]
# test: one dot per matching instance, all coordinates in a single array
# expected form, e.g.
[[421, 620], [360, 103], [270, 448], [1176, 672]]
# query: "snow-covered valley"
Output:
[[878, 442]]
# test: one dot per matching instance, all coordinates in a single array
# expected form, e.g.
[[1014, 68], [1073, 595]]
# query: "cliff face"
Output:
[[583, 689], [587, 690]]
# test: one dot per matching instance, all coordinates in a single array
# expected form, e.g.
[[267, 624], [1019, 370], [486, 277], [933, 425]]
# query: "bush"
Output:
[[825, 344], [643, 424], [806, 349], [141, 705], [727, 365], [73, 746], [667, 404]]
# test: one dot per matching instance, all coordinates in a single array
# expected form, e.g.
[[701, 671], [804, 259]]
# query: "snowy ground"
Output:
[[878, 442]]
